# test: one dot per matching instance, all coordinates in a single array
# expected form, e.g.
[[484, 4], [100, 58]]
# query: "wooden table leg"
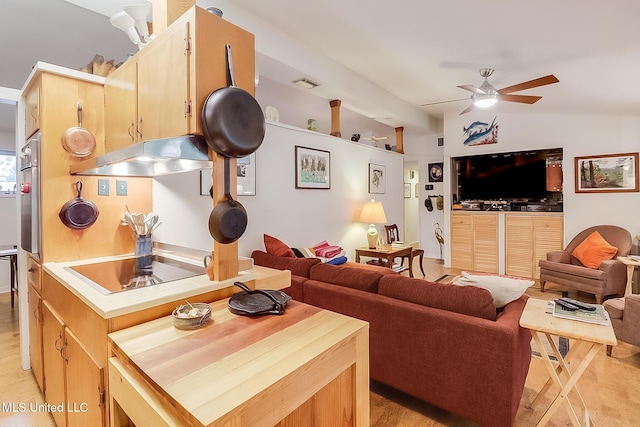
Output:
[[572, 378], [627, 290]]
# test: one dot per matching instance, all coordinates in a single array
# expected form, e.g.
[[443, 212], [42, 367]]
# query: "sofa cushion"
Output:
[[297, 266], [471, 301], [593, 250], [503, 289], [350, 277], [276, 247]]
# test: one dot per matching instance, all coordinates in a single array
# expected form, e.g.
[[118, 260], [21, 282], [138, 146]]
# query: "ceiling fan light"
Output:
[[484, 101]]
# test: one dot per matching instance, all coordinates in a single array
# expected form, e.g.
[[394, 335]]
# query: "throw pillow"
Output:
[[503, 289], [276, 247], [593, 250]]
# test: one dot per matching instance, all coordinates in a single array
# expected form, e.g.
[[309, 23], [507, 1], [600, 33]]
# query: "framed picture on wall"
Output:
[[246, 173], [435, 172], [607, 173], [407, 190], [377, 178], [313, 168]]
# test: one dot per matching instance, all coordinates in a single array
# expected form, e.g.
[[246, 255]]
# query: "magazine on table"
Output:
[[599, 316]]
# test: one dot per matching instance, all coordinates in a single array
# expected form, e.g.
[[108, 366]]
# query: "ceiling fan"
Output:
[[486, 95]]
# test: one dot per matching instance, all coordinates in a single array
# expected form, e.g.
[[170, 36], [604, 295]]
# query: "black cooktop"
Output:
[[131, 273]]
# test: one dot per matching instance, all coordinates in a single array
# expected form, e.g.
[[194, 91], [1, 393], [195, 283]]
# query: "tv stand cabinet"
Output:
[[504, 242]]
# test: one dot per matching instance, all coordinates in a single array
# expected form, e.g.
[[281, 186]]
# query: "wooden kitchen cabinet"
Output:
[[121, 102], [32, 108], [148, 96], [85, 385], [161, 89], [34, 299], [548, 237], [474, 242], [462, 242], [528, 238], [485, 243], [35, 335], [53, 342]]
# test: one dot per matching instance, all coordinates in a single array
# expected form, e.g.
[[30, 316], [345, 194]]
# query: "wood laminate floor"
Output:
[[610, 387]]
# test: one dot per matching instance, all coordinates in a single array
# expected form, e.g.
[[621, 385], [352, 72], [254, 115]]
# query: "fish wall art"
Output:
[[479, 133]]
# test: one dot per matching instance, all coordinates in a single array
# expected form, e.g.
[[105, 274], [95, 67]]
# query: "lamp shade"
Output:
[[139, 13], [373, 213]]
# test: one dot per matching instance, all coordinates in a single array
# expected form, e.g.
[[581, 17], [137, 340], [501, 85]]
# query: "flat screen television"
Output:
[[503, 176]]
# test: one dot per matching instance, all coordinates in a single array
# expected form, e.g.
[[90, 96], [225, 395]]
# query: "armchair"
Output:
[[625, 318], [393, 236], [564, 269]]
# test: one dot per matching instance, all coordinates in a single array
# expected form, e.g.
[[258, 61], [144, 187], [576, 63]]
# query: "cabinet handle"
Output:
[[34, 112], [55, 344], [31, 270], [35, 314], [130, 130], [139, 129]]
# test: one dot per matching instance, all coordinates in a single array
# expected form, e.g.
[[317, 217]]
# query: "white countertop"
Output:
[[119, 303]]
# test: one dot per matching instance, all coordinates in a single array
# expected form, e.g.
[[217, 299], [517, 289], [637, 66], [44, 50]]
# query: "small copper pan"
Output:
[[78, 140]]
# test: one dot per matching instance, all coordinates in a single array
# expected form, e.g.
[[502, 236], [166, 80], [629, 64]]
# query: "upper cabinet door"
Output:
[[163, 86], [32, 109], [121, 101]]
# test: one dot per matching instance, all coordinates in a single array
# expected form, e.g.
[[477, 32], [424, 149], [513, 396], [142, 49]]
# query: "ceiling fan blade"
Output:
[[546, 80], [472, 88], [443, 102], [466, 110], [524, 99]]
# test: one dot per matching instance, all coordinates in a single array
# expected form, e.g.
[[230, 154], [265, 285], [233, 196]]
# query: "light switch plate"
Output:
[[103, 187], [121, 187]]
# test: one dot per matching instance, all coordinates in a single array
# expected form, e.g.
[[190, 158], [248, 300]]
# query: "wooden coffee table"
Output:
[[596, 337], [386, 252]]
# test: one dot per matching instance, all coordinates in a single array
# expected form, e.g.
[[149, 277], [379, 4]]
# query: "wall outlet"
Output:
[[103, 187], [121, 187]]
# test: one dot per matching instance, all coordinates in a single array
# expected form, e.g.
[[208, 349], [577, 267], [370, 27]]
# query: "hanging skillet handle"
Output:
[[231, 73], [79, 189], [227, 182], [79, 115]]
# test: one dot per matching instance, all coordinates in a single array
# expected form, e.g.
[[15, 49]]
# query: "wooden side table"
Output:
[[386, 252], [631, 264], [541, 323]]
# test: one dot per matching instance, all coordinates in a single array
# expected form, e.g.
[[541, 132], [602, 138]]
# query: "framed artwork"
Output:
[[377, 178], [435, 172], [407, 190], [246, 173], [607, 173], [313, 168]]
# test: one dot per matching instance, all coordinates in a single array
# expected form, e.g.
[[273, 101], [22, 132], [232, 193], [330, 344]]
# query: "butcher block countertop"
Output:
[[308, 366]]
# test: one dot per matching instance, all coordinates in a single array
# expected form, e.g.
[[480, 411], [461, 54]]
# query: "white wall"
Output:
[[421, 152], [299, 217], [578, 136], [8, 216]]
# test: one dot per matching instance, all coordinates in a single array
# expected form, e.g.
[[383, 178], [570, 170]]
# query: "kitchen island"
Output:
[[307, 366], [72, 317]]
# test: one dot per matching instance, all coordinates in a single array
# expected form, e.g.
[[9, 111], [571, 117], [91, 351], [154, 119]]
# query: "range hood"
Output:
[[150, 158]]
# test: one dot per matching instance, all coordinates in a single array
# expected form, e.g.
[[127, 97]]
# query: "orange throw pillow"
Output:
[[593, 250], [276, 247]]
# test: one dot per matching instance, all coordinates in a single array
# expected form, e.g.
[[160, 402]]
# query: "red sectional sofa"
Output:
[[444, 344]]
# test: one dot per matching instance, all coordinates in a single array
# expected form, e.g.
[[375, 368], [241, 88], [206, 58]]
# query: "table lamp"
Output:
[[372, 213]]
